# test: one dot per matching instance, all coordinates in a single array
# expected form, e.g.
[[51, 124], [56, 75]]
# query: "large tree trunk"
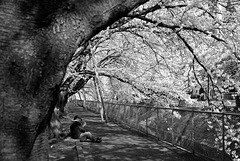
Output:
[[37, 40]]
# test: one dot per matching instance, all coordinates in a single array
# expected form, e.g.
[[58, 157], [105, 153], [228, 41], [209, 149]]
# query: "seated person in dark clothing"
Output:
[[77, 131]]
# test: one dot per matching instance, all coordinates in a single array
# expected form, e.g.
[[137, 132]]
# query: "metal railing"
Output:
[[201, 132]]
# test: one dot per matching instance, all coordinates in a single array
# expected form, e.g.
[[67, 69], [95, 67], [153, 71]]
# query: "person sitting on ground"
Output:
[[77, 131]]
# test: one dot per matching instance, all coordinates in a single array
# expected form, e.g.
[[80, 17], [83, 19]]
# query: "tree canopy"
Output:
[[163, 48]]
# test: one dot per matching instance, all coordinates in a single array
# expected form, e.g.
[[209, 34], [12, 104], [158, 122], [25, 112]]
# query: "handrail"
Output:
[[175, 109]]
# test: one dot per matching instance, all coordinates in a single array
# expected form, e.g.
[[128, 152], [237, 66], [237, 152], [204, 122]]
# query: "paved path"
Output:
[[118, 144]]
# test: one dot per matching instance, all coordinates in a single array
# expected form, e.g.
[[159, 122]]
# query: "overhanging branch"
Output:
[[174, 27], [205, 69], [157, 7], [147, 92]]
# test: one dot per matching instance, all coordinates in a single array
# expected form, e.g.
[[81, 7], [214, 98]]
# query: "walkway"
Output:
[[118, 144]]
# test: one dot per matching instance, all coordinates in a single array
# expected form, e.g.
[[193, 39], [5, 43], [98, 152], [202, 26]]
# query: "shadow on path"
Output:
[[118, 143]]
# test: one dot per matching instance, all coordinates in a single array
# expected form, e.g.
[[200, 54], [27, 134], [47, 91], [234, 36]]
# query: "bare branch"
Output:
[[147, 92], [198, 61], [174, 27], [157, 7]]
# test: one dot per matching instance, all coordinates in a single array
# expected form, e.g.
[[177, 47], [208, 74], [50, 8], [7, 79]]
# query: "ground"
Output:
[[118, 143]]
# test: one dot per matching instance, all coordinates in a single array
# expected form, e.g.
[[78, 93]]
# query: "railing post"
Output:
[[192, 132], [137, 118], [118, 113], [146, 120], [223, 139], [110, 109], [124, 113], [157, 122], [172, 126]]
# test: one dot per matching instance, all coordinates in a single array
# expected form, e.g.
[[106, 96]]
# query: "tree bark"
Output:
[[98, 90], [37, 41], [84, 99]]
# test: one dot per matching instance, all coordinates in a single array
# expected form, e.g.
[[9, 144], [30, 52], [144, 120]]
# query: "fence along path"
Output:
[[188, 132], [120, 144]]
